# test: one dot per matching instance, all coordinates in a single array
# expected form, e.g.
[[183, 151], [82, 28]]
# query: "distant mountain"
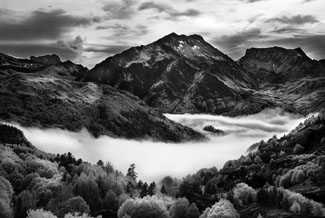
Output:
[[179, 74], [43, 92], [288, 75]]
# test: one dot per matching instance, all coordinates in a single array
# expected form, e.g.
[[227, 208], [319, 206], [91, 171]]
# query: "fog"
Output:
[[155, 160]]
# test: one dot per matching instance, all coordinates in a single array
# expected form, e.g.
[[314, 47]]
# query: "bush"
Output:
[[147, 207]]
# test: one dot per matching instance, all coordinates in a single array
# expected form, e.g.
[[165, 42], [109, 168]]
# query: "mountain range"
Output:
[[175, 74]]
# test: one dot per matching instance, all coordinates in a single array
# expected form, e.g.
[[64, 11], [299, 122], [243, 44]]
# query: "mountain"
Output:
[[289, 75], [179, 74], [42, 92]]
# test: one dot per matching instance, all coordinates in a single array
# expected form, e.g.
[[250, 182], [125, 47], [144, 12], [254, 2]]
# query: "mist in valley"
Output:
[[154, 160]]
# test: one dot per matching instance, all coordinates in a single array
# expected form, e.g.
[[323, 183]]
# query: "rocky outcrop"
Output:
[[51, 98], [179, 74], [46, 60]]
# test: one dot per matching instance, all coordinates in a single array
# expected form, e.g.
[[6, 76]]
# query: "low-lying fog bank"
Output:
[[155, 159]]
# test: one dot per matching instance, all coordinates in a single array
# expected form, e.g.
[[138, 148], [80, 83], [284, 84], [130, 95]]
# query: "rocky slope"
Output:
[[288, 75], [179, 74], [48, 96]]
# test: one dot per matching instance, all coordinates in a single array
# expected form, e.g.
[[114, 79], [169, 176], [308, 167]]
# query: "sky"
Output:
[[89, 31]]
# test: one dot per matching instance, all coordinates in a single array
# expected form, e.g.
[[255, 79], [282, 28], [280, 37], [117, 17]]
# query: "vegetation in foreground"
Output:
[[278, 178]]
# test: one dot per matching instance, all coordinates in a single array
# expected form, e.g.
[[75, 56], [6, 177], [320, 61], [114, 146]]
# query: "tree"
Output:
[[262, 197], [243, 192], [100, 163], [192, 211], [6, 194], [131, 173], [179, 208], [222, 209], [5, 209], [163, 190], [258, 160], [152, 189], [144, 190], [295, 207], [74, 205], [147, 207], [299, 149], [87, 188], [110, 203]]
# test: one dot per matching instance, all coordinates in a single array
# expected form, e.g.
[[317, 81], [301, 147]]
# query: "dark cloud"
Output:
[[160, 7], [234, 44], [112, 49], [41, 25], [67, 50], [120, 10], [294, 20], [288, 30]]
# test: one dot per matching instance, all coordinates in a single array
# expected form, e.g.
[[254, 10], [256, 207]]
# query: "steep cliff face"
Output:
[[50, 97], [289, 75], [178, 74]]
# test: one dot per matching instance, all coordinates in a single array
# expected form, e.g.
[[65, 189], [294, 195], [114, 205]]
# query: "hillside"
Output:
[[42, 92]]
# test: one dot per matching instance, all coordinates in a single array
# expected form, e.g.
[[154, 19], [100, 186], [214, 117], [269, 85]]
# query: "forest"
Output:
[[280, 177]]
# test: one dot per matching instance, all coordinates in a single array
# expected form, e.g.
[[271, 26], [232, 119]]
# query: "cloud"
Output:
[[235, 43], [112, 49], [41, 25], [170, 11], [120, 9], [122, 30], [67, 50], [155, 160], [294, 20], [160, 7]]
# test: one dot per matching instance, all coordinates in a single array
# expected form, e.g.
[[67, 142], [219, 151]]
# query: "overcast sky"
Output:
[[88, 31]]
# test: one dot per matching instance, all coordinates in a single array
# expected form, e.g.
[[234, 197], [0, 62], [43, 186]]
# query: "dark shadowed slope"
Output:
[[49, 97]]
